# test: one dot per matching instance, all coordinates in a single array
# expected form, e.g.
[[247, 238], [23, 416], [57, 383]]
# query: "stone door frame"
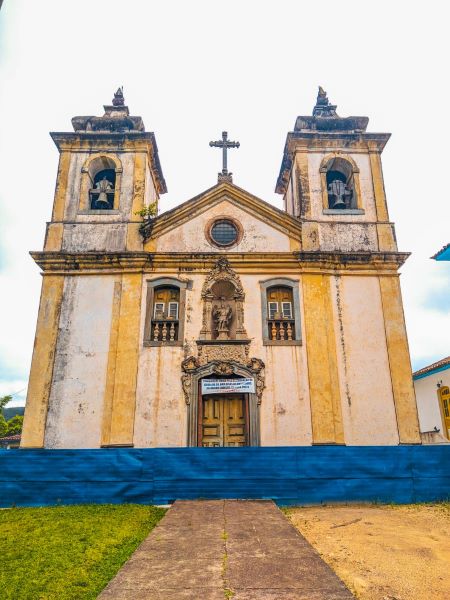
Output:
[[194, 395]]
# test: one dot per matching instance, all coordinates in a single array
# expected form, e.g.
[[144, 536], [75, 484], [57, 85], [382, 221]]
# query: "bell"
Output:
[[102, 202], [339, 203]]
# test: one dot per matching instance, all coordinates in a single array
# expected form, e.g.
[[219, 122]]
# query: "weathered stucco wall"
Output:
[[190, 236], [161, 411], [78, 387], [366, 391], [427, 400], [89, 237], [79, 374]]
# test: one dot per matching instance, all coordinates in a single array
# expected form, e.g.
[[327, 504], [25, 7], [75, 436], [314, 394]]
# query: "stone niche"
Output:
[[223, 305]]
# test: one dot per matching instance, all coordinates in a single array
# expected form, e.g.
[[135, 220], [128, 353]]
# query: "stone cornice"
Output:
[[255, 262]]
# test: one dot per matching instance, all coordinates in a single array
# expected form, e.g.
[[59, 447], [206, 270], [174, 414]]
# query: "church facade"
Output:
[[225, 321]]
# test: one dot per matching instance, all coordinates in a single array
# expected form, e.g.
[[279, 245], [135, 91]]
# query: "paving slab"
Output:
[[218, 549]]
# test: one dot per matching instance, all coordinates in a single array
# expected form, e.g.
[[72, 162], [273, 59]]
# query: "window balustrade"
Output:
[[164, 330], [281, 329]]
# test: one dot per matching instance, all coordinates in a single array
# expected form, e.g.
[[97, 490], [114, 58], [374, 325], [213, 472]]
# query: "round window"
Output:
[[224, 233]]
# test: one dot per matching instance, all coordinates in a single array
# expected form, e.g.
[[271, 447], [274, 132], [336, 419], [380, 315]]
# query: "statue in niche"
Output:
[[224, 321], [222, 317]]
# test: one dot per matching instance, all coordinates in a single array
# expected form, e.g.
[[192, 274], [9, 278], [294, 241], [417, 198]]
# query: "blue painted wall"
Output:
[[289, 475]]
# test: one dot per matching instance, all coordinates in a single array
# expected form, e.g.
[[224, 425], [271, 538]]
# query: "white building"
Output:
[[432, 385]]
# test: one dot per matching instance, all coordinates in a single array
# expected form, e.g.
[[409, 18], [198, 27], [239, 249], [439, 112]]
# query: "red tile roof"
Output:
[[11, 438], [437, 365]]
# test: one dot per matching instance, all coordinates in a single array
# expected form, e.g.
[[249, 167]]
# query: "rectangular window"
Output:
[[159, 311], [173, 310], [287, 310], [273, 309]]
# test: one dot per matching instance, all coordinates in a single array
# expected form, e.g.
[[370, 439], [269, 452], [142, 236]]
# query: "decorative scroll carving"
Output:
[[190, 364], [257, 367], [186, 382], [223, 368], [223, 272], [192, 371], [238, 353]]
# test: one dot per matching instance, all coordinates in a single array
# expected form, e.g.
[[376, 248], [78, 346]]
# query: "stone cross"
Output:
[[225, 144]]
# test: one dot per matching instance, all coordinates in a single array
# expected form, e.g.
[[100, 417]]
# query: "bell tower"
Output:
[[85, 356], [109, 172], [332, 181]]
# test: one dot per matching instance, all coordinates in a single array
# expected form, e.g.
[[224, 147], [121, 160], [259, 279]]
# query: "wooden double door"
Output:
[[224, 420]]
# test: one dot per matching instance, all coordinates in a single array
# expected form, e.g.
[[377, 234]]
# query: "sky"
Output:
[[193, 69]]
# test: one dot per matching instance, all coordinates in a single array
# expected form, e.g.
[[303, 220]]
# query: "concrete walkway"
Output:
[[223, 550]]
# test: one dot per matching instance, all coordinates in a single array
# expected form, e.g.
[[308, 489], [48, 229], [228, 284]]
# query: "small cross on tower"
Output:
[[225, 144]]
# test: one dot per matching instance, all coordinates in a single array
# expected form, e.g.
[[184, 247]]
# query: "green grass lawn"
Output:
[[68, 552]]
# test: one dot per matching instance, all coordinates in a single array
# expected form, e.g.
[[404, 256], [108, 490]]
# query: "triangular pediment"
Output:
[[224, 194]]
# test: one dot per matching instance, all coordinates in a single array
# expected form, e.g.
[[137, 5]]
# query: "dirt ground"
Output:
[[383, 552]]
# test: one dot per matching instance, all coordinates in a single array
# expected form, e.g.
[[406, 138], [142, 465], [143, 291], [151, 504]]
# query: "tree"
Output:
[[15, 425], [3, 402], [3, 426]]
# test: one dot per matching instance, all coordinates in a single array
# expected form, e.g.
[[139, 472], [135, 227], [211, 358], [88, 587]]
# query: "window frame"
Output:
[[152, 284], [280, 282]]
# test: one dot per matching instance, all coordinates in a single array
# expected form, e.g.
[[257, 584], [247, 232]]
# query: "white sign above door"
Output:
[[228, 386]]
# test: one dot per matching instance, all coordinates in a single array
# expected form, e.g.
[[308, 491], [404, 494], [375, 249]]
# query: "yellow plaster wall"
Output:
[[386, 239], [42, 362], [62, 180], [322, 362], [140, 161], [126, 353], [378, 187], [53, 237], [399, 360]]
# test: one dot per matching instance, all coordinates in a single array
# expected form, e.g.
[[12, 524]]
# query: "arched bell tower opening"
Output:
[[340, 183]]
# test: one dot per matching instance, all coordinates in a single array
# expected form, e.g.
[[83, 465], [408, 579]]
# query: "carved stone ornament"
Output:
[[190, 364], [238, 353], [186, 382], [119, 99], [223, 368], [257, 367], [192, 367], [223, 272]]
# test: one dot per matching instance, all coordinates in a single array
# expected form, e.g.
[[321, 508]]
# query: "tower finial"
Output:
[[323, 108], [118, 99]]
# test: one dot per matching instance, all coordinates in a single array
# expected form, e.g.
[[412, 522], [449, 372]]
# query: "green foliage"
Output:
[[15, 425], [68, 552], [4, 401], [3, 426], [148, 212]]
